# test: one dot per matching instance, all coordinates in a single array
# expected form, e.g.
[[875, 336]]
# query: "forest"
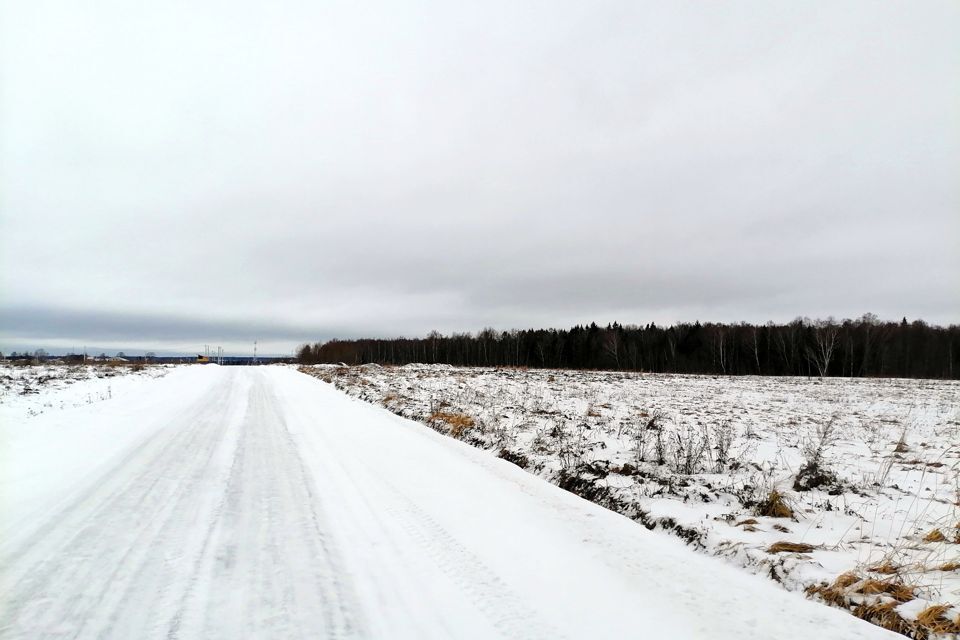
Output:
[[865, 347]]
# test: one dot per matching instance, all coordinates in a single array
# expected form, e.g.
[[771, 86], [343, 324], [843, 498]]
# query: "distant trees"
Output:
[[803, 347]]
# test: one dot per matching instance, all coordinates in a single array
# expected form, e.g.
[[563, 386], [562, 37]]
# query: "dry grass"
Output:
[[790, 547], [934, 619], [887, 568], [836, 593], [848, 590], [457, 423], [748, 524], [774, 506], [883, 614], [844, 580], [950, 566], [896, 590], [935, 536]]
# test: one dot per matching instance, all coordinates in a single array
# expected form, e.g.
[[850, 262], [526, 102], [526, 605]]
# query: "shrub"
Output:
[[723, 437], [813, 474], [689, 450]]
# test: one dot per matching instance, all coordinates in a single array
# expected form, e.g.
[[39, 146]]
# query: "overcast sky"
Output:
[[180, 173]]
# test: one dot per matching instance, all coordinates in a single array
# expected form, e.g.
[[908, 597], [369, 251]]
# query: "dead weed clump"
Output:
[[835, 593], [790, 547], [934, 618], [774, 506], [879, 608], [883, 597], [934, 535], [457, 423], [884, 614], [845, 580], [893, 588], [887, 568]]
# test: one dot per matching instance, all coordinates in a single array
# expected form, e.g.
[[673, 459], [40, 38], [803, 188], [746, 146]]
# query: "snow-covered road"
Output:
[[233, 502]]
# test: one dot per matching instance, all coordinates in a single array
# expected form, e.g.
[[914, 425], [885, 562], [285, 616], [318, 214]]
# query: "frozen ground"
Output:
[[235, 502], [877, 515]]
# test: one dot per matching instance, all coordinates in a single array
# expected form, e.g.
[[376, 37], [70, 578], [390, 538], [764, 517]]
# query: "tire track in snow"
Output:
[[394, 512], [267, 550], [98, 546], [489, 593], [209, 528]]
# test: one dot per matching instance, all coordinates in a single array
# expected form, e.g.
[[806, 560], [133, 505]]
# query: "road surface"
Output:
[[246, 502]]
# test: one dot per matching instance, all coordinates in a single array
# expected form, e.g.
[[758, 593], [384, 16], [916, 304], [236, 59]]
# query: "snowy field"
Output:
[[256, 502], [32, 389], [846, 489]]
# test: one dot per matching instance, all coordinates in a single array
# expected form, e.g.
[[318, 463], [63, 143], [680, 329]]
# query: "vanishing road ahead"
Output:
[[235, 502]]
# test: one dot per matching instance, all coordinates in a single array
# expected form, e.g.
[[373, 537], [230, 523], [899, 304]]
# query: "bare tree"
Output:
[[756, 348], [820, 352], [719, 346], [611, 345]]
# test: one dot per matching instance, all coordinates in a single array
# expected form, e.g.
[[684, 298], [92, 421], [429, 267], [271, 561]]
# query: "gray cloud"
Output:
[[190, 173]]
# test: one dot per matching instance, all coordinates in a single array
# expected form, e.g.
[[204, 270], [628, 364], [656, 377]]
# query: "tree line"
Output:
[[865, 347]]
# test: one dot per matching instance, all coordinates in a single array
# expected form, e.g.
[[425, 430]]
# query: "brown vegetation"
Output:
[[847, 592], [886, 568], [935, 619], [934, 536], [457, 423], [790, 547], [774, 506]]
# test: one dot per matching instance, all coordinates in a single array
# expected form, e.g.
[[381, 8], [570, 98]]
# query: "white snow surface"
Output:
[[258, 502]]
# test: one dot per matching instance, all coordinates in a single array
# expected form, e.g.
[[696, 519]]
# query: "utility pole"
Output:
[[254, 352]]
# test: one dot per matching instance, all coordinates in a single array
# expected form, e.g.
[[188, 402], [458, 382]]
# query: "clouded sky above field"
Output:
[[180, 173]]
